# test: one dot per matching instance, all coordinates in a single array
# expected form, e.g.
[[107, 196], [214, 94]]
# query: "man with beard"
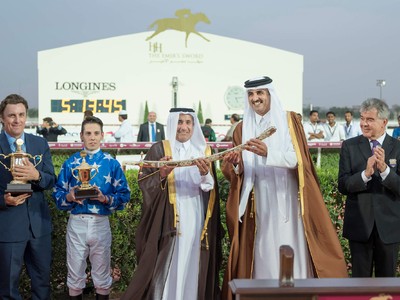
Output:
[[351, 127], [313, 129], [274, 189], [178, 238]]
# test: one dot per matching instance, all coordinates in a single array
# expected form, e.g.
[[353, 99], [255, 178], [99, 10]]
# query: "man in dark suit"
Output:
[[151, 131], [50, 130], [25, 221], [369, 174]]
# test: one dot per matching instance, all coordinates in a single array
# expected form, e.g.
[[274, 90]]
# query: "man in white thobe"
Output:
[[178, 238], [124, 134], [270, 169], [273, 189], [183, 274]]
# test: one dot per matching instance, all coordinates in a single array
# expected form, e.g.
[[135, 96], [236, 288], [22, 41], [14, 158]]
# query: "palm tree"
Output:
[[200, 113], [146, 112]]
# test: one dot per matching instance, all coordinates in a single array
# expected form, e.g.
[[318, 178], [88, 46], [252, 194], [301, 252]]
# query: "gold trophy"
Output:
[[18, 187], [84, 175]]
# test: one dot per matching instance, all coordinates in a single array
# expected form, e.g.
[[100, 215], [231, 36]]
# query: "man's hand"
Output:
[[319, 135], [232, 157], [379, 153], [164, 171], [370, 168], [100, 196], [256, 146], [26, 171], [71, 196], [202, 165], [376, 162], [15, 201]]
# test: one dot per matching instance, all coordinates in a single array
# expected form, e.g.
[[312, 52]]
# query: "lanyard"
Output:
[[314, 128], [334, 129], [348, 129]]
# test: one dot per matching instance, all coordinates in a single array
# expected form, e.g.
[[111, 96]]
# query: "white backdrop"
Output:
[[141, 71]]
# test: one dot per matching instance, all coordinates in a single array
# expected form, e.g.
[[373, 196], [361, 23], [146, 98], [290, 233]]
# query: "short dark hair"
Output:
[[208, 121], [330, 113], [235, 117], [313, 111], [12, 99], [348, 112], [48, 119], [92, 120], [87, 113]]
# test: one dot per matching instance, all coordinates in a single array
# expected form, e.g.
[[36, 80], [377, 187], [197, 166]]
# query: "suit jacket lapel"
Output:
[[364, 146], [27, 143], [388, 146], [4, 146], [147, 132]]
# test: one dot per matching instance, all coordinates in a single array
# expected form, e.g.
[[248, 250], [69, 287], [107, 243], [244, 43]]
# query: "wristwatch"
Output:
[[37, 181]]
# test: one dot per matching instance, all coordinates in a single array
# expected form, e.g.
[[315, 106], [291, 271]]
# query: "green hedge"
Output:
[[124, 224]]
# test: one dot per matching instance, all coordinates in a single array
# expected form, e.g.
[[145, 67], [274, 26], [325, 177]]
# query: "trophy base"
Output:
[[83, 194], [19, 188]]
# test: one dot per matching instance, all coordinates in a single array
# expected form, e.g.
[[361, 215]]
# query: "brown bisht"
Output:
[[324, 247], [156, 235]]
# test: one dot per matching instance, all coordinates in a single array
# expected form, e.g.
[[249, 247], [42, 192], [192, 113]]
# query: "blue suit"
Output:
[[25, 230]]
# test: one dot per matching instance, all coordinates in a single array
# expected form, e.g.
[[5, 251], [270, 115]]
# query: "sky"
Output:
[[347, 44]]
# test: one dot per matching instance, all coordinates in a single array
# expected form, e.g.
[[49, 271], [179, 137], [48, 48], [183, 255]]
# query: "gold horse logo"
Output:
[[185, 21]]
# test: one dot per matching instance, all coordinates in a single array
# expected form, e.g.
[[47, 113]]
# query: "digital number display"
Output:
[[81, 105]]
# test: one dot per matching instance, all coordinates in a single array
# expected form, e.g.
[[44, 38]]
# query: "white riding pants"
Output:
[[88, 235]]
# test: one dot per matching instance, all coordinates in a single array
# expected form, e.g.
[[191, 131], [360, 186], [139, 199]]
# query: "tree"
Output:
[[396, 111], [33, 113], [146, 112], [200, 113]]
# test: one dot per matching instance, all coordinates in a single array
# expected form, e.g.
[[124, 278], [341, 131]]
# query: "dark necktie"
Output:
[[153, 132], [375, 144]]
